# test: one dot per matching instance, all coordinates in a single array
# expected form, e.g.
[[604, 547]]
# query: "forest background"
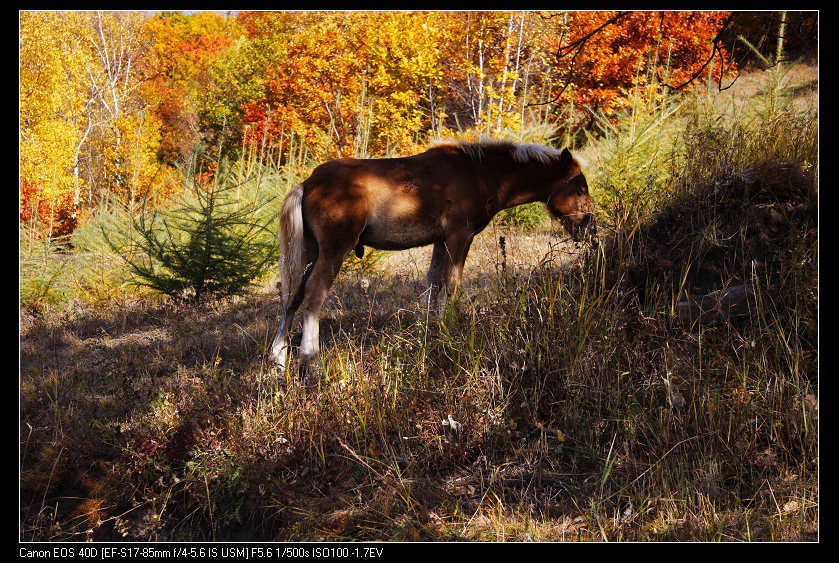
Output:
[[112, 102]]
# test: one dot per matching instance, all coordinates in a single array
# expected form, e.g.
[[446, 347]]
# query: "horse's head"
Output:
[[570, 201]]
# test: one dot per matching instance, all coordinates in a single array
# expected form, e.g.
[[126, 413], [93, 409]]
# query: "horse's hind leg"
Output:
[[280, 346], [317, 286]]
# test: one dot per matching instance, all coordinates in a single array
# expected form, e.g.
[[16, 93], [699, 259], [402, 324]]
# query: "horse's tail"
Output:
[[292, 261]]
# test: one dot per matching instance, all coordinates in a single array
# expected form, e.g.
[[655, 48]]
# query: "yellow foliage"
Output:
[[52, 118], [80, 128]]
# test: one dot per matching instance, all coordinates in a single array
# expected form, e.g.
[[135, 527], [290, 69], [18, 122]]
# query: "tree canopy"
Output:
[[111, 102]]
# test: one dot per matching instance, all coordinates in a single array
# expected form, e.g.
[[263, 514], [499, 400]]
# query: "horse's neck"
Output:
[[528, 185]]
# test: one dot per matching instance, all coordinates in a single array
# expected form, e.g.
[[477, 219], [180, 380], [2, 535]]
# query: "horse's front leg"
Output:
[[447, 260], [438, 273]]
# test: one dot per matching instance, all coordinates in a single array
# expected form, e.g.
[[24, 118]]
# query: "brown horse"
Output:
[[444, 196]]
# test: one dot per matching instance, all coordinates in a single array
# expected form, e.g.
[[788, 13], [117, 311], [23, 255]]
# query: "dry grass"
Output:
[[559, 400], [566, 429]]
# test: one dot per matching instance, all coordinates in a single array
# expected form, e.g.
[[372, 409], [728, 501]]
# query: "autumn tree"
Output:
[[83, 133], [312, 68], [494, 62], [176, 73], [56, 115], [599, 56]]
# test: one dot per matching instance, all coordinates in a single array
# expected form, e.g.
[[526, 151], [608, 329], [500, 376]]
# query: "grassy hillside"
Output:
[[564, 397]]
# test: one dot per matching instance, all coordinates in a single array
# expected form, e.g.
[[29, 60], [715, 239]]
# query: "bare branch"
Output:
[[714, 51], [578, 45]]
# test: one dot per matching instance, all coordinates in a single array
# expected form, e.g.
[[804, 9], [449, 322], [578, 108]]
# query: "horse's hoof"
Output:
[[310, 373]]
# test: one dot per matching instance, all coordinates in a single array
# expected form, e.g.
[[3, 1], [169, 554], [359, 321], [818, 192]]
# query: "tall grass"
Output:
[[42, 268], [636, 156]]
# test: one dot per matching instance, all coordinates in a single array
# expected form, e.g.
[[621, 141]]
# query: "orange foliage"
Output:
[[312, 83], [181, 50], [672, 46]]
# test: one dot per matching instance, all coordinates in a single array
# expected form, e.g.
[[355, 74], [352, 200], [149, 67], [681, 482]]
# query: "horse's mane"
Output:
[[520, 152]]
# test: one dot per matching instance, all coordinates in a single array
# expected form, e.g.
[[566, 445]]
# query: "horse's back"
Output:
[[398, 202]]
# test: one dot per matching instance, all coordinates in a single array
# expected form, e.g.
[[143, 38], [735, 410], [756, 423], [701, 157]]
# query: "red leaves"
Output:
[[206, 177], [59, 212]]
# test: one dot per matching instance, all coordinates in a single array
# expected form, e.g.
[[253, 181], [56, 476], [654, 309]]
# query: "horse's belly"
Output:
[[400, 224], [398, 235], [401, 217]]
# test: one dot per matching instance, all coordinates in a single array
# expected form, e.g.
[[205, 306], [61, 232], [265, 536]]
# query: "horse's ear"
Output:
[[570, 164], [565, 158]]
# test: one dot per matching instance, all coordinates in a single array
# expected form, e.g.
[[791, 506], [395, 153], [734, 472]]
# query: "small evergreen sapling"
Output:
[[212, 240]]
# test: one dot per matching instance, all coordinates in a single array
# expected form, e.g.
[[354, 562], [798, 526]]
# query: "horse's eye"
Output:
[[582, 188]]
